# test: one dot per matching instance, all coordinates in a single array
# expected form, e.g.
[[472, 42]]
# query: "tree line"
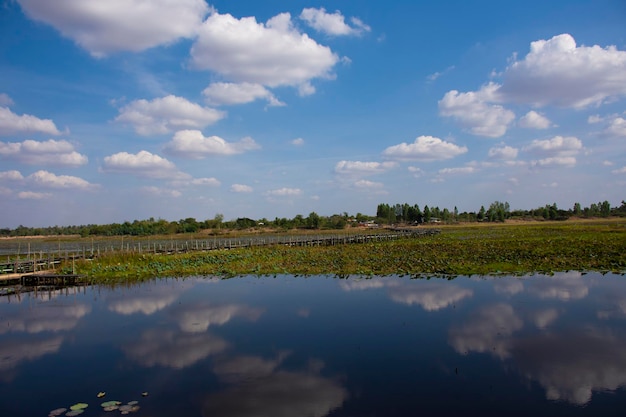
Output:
[[386, 214]]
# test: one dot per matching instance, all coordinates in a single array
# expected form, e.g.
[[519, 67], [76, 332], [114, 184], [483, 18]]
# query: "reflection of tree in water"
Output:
[[260, 389]]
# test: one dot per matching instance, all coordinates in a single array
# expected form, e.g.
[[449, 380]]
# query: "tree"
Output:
[[481, 214], [313, 220]]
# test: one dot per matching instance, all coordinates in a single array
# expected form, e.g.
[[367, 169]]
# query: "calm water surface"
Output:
[[321, 346]]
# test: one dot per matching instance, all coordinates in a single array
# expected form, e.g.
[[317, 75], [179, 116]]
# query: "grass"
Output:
[[484, 249]]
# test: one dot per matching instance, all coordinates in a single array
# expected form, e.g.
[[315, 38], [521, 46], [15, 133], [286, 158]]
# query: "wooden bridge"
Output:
[[38, 266]]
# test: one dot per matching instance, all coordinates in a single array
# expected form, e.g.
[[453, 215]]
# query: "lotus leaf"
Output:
[[111, 408], [75, 412], [79, 406], [110, 403], [57, 412]]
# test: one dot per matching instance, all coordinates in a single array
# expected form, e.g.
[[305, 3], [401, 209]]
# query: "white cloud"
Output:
[[206, 182], [358, 168], [218, 94], [11, 176], [534, 120], [272, 53], [142, 164], [621, 170], [50, 152], [616, 128], [506, 153], [32, 195], [284, 192], [457, 171], [161, 192], [297, 142], [5, 100], [240, 188], [11, 123], [332, 23], [193, 144], [167, 114], [49, 180], [425, 148], [558, 146], [369, 185], [474, 112], [558, 72], [595, 118], [119, 25]]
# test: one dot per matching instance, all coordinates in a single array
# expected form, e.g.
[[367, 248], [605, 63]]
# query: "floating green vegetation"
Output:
[[519, 248]]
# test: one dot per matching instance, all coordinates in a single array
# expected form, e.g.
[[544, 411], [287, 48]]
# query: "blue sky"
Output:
[[125, 109]]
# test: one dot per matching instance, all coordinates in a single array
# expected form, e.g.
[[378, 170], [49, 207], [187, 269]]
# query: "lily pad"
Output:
[[57, 412], [133, 402], [75, 412], [79, 406], [101, 394], [111, 408], [110, 403]]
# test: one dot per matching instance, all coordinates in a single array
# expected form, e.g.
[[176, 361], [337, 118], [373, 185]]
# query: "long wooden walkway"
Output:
[[39, 262]]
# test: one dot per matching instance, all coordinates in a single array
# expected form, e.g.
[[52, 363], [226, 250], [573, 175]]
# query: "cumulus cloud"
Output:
[[218, 94], [506, 153], [11, 123], [119, 25], [358, 168], [369, 185], [534, 120], [458, 171], [167, 114], [240, 188], [332, 23], [198, 318], [50, 152], [193, 144], [558, 150], [12, 175], [5, 100], [425, 148], [558, 72], [621, 170], [616, 128], [142, 164], [161, 192], [271, 54], [284, 192], [297, 142], [475, 113], [33, 195], [47, 179]]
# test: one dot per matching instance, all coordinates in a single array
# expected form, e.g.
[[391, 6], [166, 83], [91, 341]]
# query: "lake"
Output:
[[320, 346]]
